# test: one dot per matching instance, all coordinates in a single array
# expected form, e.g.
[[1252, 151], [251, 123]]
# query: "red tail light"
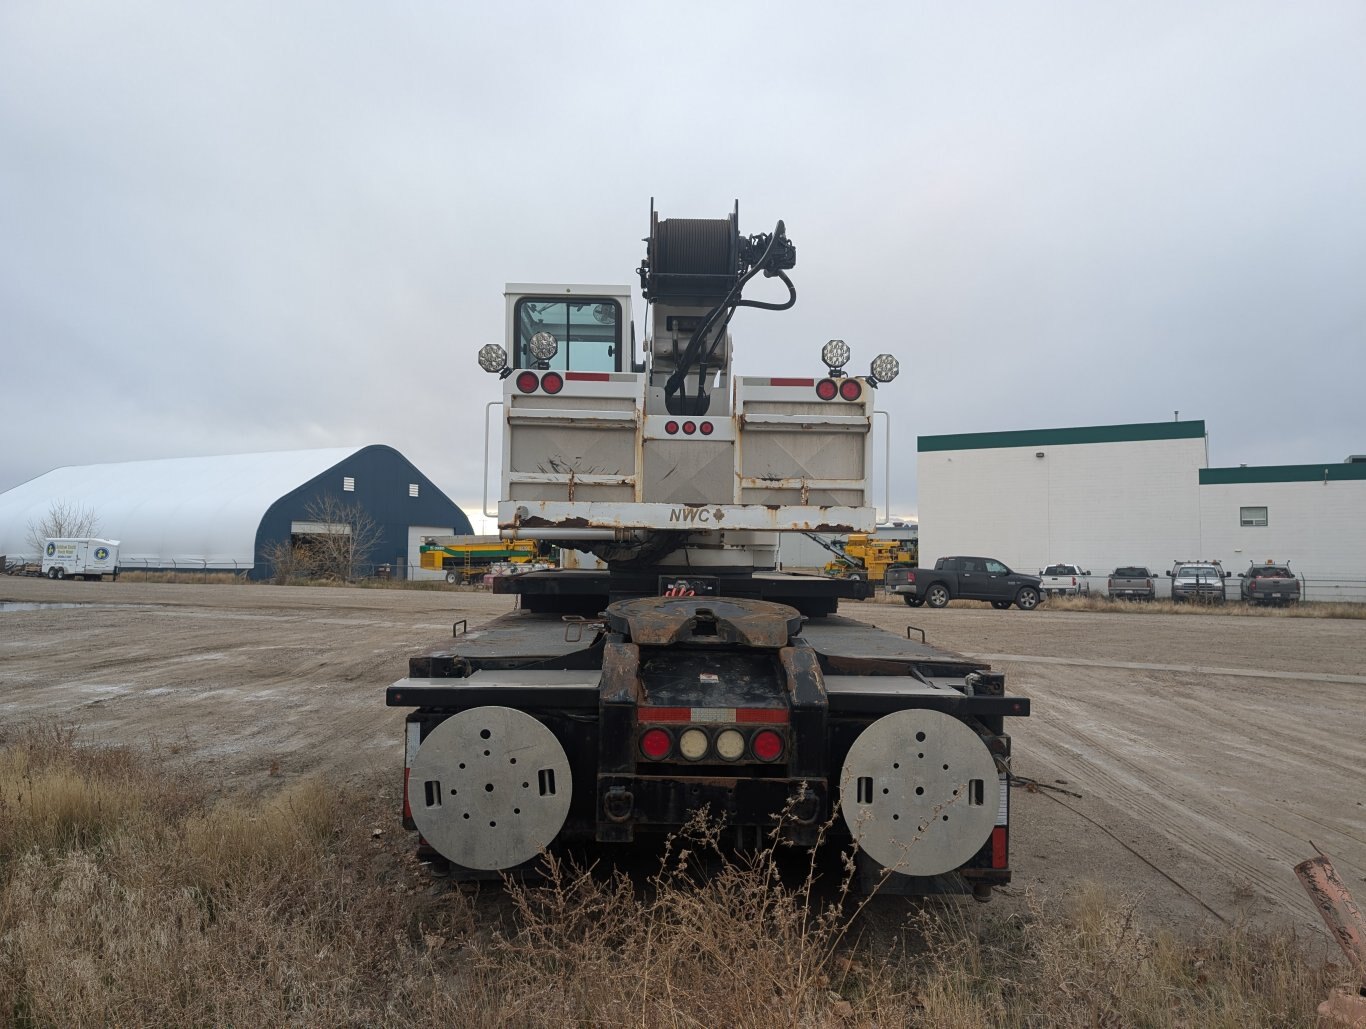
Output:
[[527, 382], [656, 744], [998, 847], [671, 428], [1074, 580], [552, 383], [689, 428], [767, 745], [1150, 583], [705, 428], [851, 389], [1110, 583], [826, 389]]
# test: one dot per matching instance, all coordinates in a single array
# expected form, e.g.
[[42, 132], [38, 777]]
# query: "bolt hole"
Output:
[[516, 811], [884, 790], [493, 825], [462, 764], [486, 753], [895, 818], [488, 787], [894, 765], [920, 791], [920, 755], [946, 768], [946, 818], [920, 737], [484, 734], [512, 760], [465, 815], [526, 785]]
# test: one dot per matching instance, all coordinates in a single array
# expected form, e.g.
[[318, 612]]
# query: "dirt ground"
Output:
[[1208, 751]]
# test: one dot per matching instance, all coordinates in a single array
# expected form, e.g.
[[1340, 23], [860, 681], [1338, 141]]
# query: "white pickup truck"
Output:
[[1065, 580]]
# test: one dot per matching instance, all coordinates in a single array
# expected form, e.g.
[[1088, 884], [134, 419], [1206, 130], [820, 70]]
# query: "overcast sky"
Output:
[[236, 227]]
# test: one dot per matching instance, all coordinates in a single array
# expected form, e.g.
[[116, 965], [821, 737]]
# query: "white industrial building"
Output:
[[1313, 516], [1140, 494]]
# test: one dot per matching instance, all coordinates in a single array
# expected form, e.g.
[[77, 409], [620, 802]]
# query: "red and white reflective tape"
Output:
[[728, 715]]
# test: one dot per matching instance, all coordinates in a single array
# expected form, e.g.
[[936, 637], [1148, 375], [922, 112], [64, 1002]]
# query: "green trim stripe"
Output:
[[1282, 473], [1137, 432]]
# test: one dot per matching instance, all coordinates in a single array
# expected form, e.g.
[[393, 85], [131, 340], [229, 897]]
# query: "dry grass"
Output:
[[199, 578], [128, 897], [1232, 608]]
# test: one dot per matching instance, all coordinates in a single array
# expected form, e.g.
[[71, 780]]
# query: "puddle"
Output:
[[43, 605], [16, 605]]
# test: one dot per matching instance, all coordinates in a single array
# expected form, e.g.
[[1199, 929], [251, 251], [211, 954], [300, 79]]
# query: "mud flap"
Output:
[[919, 792], [490, 788]]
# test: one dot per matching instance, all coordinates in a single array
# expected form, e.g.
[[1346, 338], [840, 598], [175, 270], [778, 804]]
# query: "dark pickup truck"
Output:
[[965, 578], [1270, 584]]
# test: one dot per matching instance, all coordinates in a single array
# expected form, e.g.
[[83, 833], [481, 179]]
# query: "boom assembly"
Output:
[[686, 672]]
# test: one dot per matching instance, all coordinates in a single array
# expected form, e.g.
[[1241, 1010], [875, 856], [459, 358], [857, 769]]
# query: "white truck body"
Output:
[[80, 558]]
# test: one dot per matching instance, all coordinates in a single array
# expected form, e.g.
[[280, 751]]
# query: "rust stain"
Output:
[[1334, 903]]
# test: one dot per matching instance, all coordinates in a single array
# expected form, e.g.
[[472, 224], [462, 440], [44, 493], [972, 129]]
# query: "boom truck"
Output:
[[613, 704]]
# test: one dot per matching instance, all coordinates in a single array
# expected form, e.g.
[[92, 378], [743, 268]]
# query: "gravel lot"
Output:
[[1208, 750]]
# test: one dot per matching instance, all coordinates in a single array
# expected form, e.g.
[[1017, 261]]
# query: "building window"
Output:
[[412, 489], [348, 484], [1251, 516]]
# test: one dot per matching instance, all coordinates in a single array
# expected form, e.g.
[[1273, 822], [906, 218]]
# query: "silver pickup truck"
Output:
[[1132, 582], [1269, 584], [1198, 581]]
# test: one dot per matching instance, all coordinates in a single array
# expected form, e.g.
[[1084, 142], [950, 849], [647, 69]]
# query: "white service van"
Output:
[[85, 558]]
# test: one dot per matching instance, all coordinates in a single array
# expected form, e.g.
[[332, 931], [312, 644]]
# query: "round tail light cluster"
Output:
[[694, 744], [847, 389], [689, 428], [530, 382]]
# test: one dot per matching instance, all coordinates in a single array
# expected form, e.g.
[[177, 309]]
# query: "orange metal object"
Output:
[[1335, 905]]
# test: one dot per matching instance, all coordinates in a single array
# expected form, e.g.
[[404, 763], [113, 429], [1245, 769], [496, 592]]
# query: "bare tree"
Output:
[[343, 539], [65, 519]]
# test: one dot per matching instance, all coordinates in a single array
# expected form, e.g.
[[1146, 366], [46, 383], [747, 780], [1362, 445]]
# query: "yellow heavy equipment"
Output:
[[464, 558], [863, 556]]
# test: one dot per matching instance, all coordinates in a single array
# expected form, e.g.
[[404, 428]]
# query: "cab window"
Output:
[[996, 568], [588, 330]]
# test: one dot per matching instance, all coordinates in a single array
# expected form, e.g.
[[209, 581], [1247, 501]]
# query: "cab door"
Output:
[[996, 581]]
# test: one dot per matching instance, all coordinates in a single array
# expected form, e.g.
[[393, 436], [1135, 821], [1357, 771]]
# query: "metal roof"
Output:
[[200, 511], [1134, 433]]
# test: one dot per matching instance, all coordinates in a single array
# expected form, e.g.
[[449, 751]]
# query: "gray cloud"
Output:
[[260, 226]]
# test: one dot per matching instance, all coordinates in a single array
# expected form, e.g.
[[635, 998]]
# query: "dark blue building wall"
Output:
[[382, 476]]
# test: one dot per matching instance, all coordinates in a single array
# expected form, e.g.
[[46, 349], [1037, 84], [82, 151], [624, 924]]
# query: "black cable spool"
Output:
[[696, 259]]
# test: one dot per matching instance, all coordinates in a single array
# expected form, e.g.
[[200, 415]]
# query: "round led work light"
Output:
[[492, 357], [885, 368], [543, 346], [835, 354]]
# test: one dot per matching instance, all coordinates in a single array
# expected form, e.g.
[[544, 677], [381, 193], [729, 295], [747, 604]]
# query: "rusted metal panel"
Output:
[[663, 621], [525, 516], [1334, 903]]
